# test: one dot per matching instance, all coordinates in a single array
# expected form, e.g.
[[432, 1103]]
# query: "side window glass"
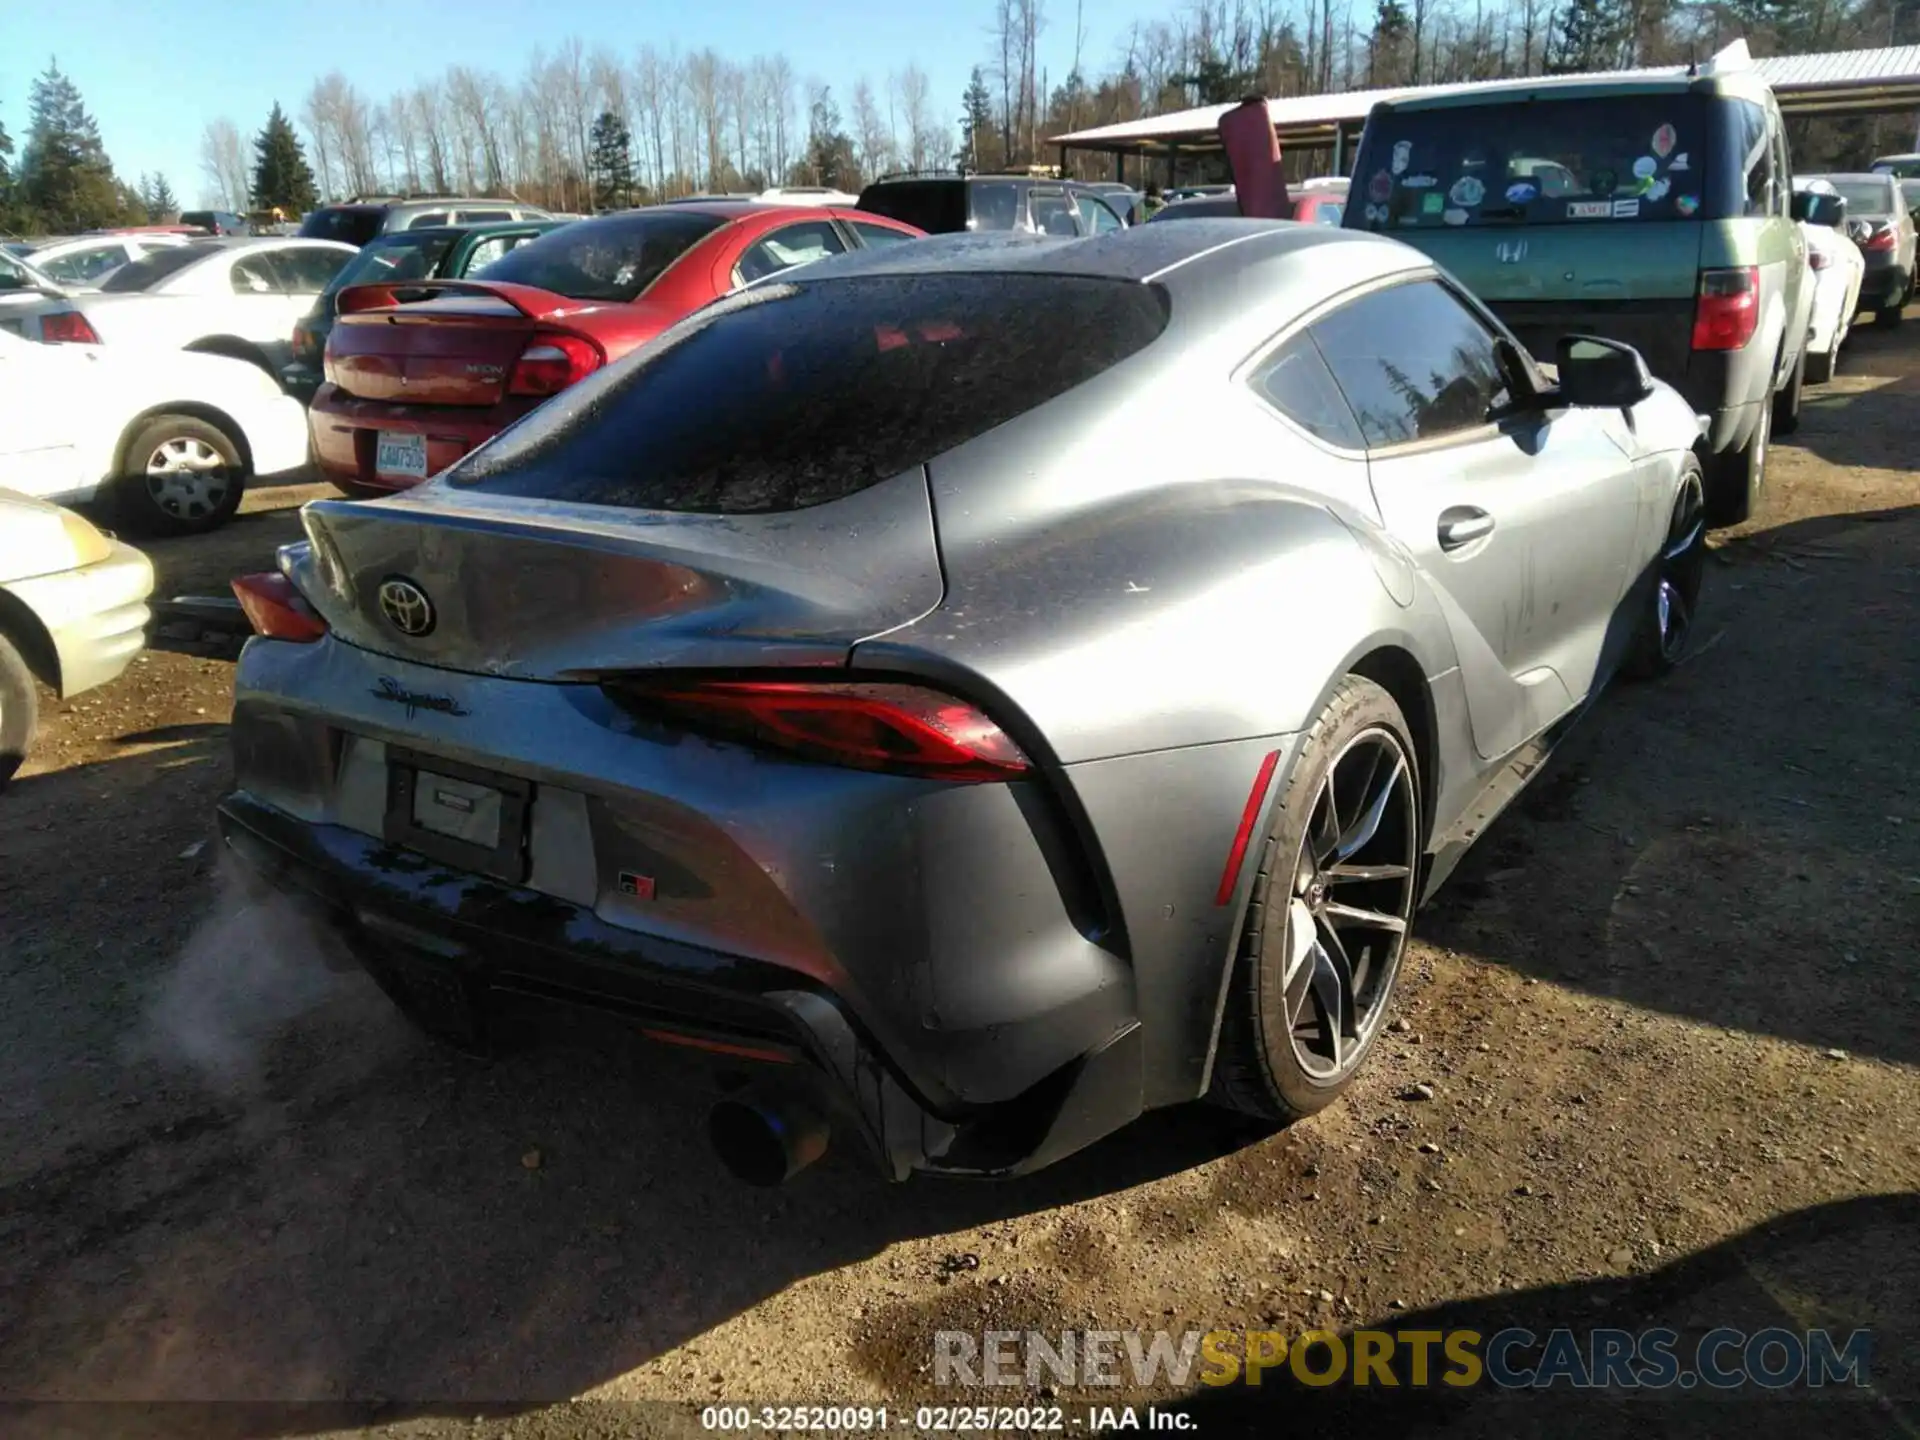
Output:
[[486, 252], [1296, 382], [1097, 218], [1052, 213], [1413, 362], [255, 275], [787, 247], [483, 217], [875, 236], [1757, 158], [432, 217], [995, 207]]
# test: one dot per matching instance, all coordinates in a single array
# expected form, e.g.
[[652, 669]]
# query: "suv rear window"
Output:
[[1867, 197], [394, 257], [1596, 159], [938, 207], [795, 394], [155, 266], [615, 258], [349, 224]]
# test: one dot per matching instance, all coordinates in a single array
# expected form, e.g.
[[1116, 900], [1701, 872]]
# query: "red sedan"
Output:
[[419, 373]]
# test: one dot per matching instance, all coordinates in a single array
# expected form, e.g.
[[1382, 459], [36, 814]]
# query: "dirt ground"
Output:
[[1667, 1012]]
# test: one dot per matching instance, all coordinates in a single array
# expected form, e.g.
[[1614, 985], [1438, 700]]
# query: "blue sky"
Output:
[[153, 72]]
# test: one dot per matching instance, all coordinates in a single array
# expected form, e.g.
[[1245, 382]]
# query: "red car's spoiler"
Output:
[[530, 301], [1253, 154]]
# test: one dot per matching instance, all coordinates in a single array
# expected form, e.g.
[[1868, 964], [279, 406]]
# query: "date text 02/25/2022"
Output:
[[941, 1419]]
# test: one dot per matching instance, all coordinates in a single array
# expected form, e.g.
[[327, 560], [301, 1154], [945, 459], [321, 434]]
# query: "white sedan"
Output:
[[170, 446], [235, 297], [74, 612], [86, 260], [1837, 266]]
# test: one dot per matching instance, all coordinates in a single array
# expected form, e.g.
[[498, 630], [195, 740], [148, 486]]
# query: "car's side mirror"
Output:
[[1601, 374]]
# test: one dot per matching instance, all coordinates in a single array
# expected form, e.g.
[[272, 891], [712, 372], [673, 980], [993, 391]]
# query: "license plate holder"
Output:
[[400, 455], [414, 793]]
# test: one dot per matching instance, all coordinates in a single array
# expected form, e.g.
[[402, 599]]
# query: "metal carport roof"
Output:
[[1836, 82]]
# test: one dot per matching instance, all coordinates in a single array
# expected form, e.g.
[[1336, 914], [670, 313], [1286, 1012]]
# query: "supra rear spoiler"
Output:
[[533, 303]]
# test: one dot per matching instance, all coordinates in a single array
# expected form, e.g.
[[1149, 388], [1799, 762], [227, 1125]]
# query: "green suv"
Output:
[[1655, 210]]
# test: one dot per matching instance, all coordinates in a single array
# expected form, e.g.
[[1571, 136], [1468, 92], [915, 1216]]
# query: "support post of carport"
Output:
[[1120, 167], [1339, 149]]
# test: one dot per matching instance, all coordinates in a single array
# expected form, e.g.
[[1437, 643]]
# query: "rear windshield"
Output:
[[938, 207], [400, 257], [349, 224], [152, 268], [615, 258], [797, 394], [1910, 193], [1606, 158], [1866, 197]]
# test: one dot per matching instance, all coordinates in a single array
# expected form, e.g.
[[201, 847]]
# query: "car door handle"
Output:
[[1462, 525]]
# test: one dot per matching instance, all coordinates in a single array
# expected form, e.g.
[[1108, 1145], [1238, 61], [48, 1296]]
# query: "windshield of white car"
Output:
[[150, 270]]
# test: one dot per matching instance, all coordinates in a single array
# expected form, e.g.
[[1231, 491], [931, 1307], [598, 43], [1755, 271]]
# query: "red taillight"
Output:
[[1882, 238], [275, 609], [1817, 261], [305, 345], [1728, 309], [68, 327], [867, 727], [551, 363]]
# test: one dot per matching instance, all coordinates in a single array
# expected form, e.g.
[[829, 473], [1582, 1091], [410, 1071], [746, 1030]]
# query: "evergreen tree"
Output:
[[611, 161], [1590, 35], [6, 179], [282, 179], [976, 124], [829, 148], [158, 198], [1388, 62], [66, 180]]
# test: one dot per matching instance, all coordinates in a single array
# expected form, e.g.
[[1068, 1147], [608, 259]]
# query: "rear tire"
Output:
[[1820, 368], [180, 476], [1312, 985], [1735, 480], [1786, 404], [19, 710]]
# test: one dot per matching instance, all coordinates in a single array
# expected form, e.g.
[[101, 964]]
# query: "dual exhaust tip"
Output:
[[766, 1137]]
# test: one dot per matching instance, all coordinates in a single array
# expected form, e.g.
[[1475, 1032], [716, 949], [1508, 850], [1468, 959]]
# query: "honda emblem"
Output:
[[1511, 252]]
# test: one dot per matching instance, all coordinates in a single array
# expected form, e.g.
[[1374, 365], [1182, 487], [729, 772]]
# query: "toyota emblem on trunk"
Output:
[[406, 606], [1511, 252]]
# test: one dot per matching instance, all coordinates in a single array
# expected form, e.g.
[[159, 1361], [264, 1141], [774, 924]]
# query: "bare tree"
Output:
[[707, 99], [913, 100], [870, 132], [224, 162], [780, 108], [430, 123], [652, 92]]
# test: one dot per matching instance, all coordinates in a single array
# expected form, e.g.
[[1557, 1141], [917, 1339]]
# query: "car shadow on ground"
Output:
[[1806, 1270], [1784, 773]]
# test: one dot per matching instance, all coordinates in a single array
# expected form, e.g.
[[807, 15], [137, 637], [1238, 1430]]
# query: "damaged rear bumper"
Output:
[[483, 963]]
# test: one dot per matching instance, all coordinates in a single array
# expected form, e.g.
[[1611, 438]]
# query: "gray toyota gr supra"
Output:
[[845, 686]]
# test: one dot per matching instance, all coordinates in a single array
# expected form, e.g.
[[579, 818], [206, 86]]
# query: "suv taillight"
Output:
[[1883, 238], [68, 327], [1728, 308], [551, 363], [306, 346]]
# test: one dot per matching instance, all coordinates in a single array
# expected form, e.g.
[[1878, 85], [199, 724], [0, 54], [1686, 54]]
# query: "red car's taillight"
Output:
[[275, 609], [551, 363], [893, 727], [306, 346], [1883, 238], [1728, 309], [68, 327]]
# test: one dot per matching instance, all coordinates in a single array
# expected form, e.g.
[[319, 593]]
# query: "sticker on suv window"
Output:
[[1664, 139], [1589, 209]]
